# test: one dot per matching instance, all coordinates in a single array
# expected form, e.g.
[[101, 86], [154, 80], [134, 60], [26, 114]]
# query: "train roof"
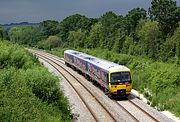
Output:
[[104, 64]]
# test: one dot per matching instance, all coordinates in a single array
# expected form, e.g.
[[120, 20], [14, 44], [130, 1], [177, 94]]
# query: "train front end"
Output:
[[120, 83]]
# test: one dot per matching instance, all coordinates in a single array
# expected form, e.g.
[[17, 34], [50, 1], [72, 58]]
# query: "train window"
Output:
[[104, 77], [120, 77], [107, 78]]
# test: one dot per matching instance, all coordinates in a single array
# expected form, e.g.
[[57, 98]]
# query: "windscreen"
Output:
[[120, 78]]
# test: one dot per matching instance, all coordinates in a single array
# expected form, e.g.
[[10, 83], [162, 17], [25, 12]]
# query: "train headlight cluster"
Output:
[[114, 86]]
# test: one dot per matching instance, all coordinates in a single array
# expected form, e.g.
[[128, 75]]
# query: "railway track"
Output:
[[136, 111], [122, 104], [145, 112], [87, 97]]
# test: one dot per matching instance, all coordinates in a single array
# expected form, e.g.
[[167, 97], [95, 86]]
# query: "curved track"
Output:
[[59, 62], [102, 110]]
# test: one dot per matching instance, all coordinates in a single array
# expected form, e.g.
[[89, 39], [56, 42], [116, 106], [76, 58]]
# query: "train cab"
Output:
[[120, 83]]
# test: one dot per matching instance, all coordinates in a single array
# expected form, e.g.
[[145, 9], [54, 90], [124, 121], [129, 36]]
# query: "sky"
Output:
[[15, 11]]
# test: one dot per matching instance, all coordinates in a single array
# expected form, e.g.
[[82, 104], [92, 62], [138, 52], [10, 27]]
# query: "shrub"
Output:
[[28, 92]]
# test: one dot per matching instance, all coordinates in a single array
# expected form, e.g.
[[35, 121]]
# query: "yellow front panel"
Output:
[[128, 88], [114, 88]]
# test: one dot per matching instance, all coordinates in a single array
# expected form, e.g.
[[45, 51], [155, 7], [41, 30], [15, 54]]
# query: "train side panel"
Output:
[[96, 73]]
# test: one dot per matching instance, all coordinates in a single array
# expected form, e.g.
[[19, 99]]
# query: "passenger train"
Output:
[[113, 78]]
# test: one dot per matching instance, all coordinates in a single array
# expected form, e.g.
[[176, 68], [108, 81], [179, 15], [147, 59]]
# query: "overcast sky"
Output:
[[12, 11]]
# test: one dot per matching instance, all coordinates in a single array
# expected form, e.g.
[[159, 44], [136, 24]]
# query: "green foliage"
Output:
[[164, 84], [107, 20], [5, 35], [171, 48], [14, 34], [46, 87], [1, 32], [110, 23], [26, 35], [128, 45], [58, 51], [132, 19], [166, 13], [149, 39], [12, 56], [74, 23], [76, 39], [132, 34], [49, 28], [50, 42], [28, 92], [118, 41], [95, 36]]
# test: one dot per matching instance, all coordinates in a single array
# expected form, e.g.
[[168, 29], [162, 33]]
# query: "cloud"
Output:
[[39, 10]]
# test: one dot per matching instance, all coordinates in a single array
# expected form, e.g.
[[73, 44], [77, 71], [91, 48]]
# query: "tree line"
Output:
[[154, 33]]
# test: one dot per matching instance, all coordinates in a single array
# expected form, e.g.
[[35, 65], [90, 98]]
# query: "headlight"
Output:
[[114, 86]]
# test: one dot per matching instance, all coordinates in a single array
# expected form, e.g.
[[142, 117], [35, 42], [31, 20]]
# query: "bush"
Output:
[[28, 92], [50, 42]]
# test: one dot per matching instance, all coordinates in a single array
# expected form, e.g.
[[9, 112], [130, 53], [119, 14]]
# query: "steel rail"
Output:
[[46, 59], [58, 59], [145, 112]]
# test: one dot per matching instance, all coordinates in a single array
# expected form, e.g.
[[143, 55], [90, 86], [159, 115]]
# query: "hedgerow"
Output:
[[28, 92]]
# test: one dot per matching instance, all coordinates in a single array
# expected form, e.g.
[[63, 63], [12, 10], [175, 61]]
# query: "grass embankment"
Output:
[[158, 81], [28, 92]]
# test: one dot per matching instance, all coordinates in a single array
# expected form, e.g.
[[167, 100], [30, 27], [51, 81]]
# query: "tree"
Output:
[[30, 35], [166, 13], [108, 19], [1, 32], [128, 45], [77, 39], [149, 39], [119, 40], [24, 35], [53, 41], [171, 48], [74, 23], [110, 24], [15, 34], [50, 42], [49, 28], [132, 19], [95, 36]]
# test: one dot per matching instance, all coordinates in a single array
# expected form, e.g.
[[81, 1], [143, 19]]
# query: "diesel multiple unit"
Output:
[[113, 78]]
